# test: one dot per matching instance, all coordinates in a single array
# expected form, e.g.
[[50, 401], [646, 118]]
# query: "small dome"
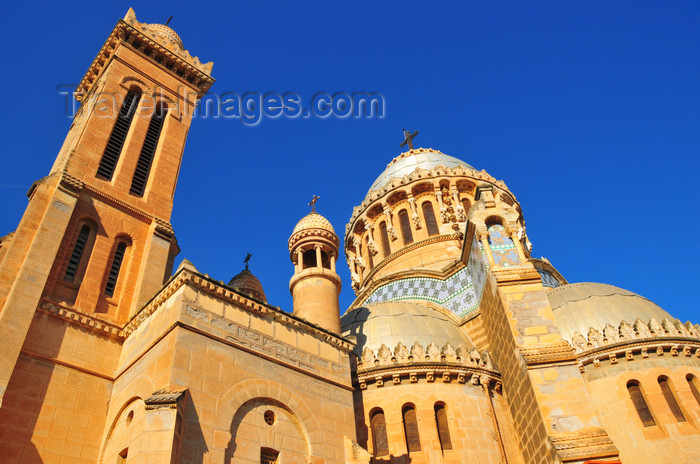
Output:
[[406, 163], [392, 322], [245, 282], [163, 32], [313, 221], [580, 306]]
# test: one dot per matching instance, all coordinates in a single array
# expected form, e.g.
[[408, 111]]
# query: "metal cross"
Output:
[[313, 203], [247, 259], [408, 139], [168, 21]]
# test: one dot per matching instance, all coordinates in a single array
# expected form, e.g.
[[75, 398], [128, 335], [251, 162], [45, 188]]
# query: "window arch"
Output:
[[82, 248], [379, 437], [405, 227], [410, 427], [116, 139], [430, 221], [114, 270], [386, 247], [143, 166], [693, 384], [665, 384], [309, 259], [640, 403], [442, 427]]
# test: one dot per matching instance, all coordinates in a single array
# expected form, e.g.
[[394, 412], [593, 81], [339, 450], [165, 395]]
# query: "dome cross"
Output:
[[408, 139], [312, 203], [247, 260]]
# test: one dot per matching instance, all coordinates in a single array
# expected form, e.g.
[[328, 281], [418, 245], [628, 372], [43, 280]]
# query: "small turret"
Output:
[[315, 286]]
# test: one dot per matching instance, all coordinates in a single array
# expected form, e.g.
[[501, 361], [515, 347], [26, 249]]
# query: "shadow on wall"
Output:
[[403, 459], [194, 447]]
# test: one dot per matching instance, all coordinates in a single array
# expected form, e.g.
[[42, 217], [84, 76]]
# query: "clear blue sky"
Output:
[[589, 111]]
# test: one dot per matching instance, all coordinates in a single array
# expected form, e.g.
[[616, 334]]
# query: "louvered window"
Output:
[[78, 249], [429, 215], [386, 248], [143, 167], [118, 135], [379, 437], [405, 227], [673, 405], [410, 426], [640, 403], [442, 427], [268, 456], [114, 270]]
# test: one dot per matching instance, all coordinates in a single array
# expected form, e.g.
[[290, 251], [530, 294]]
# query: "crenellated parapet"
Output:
[[639, 339], [430, 364]]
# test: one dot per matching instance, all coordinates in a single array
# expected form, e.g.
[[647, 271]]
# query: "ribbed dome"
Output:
[[313, 221], [406, 163], [163, 32], [245, 282], [578, 307], [392, 322]]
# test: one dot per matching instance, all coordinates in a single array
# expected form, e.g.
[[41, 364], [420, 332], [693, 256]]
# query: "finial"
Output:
[[312, 203], [168, 21], [408, 139], [247, 260]]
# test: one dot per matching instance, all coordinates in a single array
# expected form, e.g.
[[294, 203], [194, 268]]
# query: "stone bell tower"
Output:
[[315, 286], [95, 240]]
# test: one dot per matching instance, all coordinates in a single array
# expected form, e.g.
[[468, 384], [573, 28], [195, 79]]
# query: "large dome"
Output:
[[392, 322], [578, 307], [406, 163]]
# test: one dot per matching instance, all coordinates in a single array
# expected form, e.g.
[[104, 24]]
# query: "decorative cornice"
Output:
[[223, 293], [578, 446], [180, 63], [313, 233], [560, 352], [81, 319], [315, 272], [515, 275], [164, 399]]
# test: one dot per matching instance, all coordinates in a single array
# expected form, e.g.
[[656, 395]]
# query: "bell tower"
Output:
[[95, 238], [315, 286]]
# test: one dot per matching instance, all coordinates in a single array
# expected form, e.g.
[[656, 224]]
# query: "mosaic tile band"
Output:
[[460, 293]]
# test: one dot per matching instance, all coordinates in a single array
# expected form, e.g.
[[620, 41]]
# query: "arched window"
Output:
[[81, 243], [143, 167], [429, 215], [115, 268], [640, 403], [442, 427], [405, 227], [379, 438], [118, 135], [386, 248], [268, 456], [370, 261], [670, 398], [410, 427], [309, 258], [693, 383]]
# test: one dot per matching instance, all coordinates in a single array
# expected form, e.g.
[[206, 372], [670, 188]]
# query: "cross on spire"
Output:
[[168, 21], [247, 260], [312, 203], [408, 139]]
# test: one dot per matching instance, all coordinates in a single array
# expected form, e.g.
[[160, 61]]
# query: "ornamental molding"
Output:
[[164, 399], [86, 321], [181, 63], [429, 373], [312, 233], [220, 291], [560, 352], [364, 292], [315, 272], [577, 446]]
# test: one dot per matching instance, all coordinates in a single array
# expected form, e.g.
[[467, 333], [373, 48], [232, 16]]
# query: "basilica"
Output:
[[460, 346]]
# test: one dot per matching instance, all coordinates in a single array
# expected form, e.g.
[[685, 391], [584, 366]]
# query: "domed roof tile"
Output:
[[245, 282], [313, 221]]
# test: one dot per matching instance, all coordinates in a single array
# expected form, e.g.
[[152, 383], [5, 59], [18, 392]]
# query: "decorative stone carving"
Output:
[[594, 337], [642, 329], [401, 352], [433, 352], [610, 333], [579, 341], [656, 328], [448, 351], [383, 354], [367, 355], [416, 351], [627, 331]]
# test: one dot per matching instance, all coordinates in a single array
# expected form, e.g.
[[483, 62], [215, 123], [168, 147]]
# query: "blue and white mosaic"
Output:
[[548, 280], [460, 293]]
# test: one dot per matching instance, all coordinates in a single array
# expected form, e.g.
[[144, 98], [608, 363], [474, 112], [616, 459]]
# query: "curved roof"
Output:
[[245, 282], [392, 322], [409, 161], [164, 32], [580, 306], [313, 221]]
